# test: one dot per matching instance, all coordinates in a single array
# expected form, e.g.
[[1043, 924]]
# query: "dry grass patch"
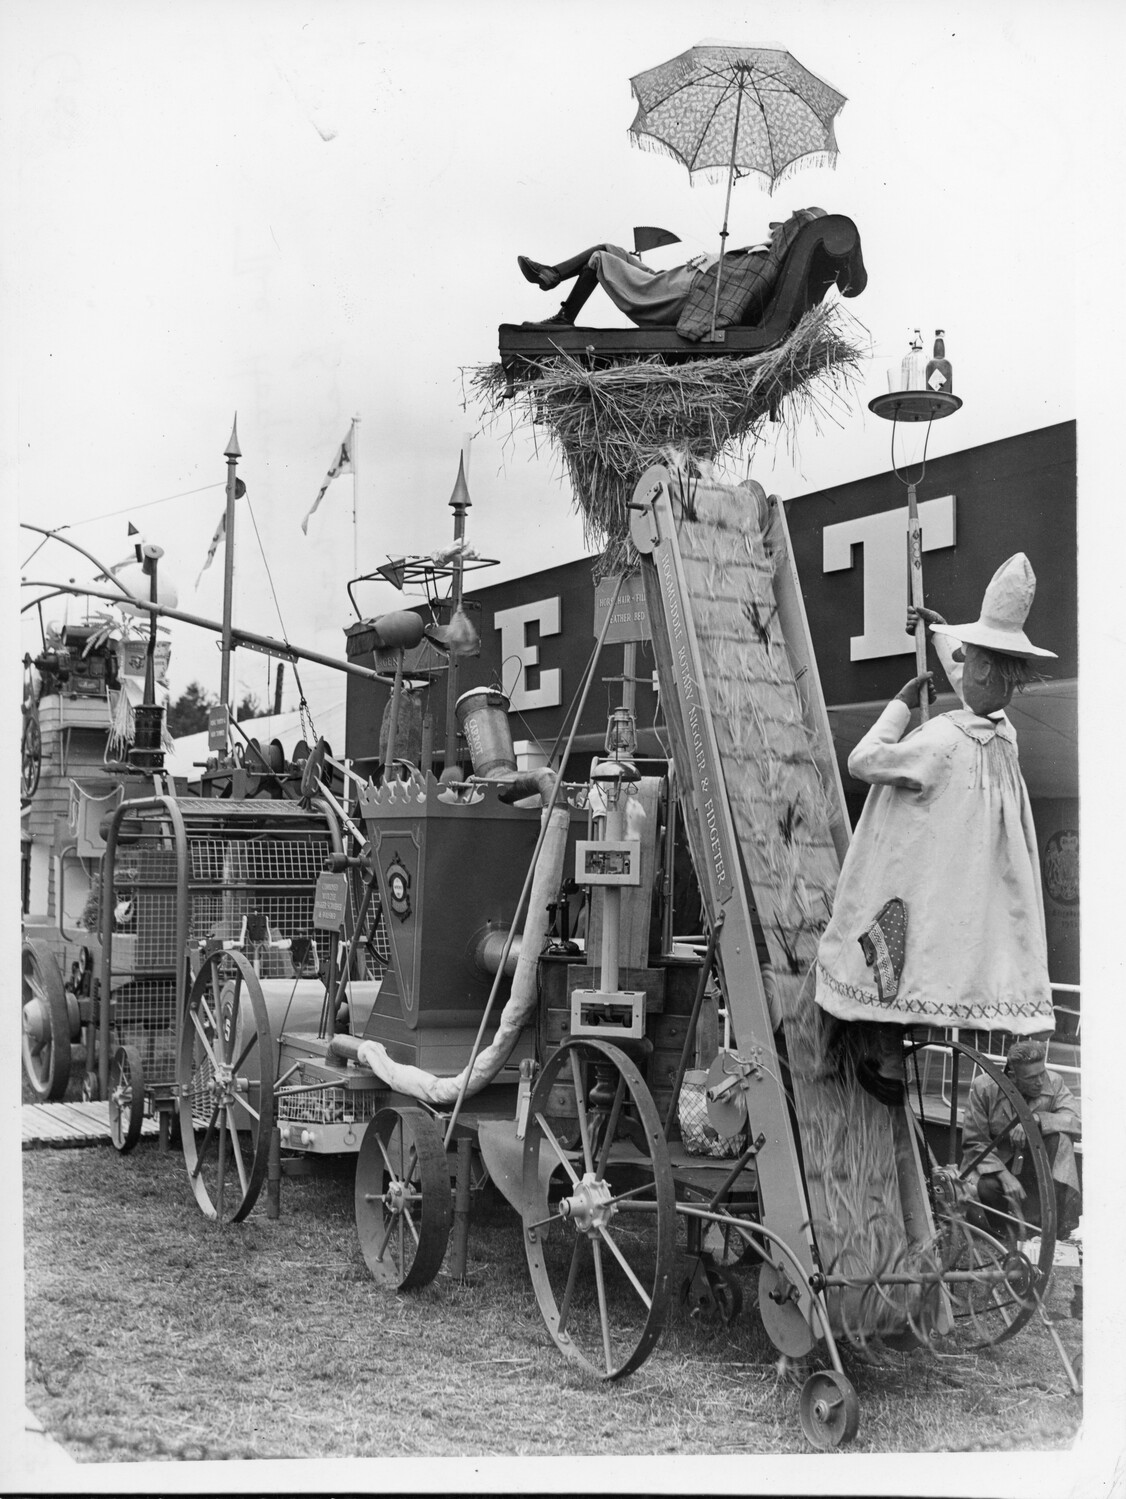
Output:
[[153, 1334]]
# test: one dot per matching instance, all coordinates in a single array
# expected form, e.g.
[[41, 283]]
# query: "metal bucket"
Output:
[[482, 716]]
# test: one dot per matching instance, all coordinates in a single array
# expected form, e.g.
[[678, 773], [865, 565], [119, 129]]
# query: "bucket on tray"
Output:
[[482, 716]]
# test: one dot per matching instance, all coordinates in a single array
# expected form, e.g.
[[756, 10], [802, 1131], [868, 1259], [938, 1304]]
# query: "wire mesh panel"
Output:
[[249, 874], [330, 1105]]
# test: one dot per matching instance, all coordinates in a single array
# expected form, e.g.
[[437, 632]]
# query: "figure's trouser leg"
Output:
[[568, 268], [585, 283]]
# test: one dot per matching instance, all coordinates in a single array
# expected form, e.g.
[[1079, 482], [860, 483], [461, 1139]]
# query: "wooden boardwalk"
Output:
[[61, 1125]]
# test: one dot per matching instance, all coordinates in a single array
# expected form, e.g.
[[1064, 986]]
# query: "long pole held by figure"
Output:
[[915, 576]]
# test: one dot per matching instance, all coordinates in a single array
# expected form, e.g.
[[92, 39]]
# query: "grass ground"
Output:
[[154, 1334]]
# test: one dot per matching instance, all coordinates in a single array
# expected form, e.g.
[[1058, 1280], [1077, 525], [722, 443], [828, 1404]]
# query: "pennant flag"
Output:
[[341, 464], [220, 533]]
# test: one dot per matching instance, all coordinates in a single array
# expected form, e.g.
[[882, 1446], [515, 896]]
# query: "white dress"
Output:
[[947, 828]]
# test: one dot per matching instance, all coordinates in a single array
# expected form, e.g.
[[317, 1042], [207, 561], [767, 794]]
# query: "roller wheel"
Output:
[[599, 1208], [1002, 1256], [829, 1409], [46, 1022], [403, 1201], [31, 756], [126, 1098], [226, 1071], [711, 1293]]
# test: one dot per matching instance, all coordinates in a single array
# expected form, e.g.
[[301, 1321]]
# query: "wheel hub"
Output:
[[589, 1207], [36, 1026], [397, 1196], [223, 1085]]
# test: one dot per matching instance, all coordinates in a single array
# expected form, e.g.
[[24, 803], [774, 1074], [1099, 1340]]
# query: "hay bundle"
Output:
[[610, 424]]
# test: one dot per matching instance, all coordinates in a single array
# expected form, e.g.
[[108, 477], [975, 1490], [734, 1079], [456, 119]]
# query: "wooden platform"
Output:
[[60, 1125]]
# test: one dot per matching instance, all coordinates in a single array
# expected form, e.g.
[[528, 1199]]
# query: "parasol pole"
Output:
[[727, 205], [232, 453]]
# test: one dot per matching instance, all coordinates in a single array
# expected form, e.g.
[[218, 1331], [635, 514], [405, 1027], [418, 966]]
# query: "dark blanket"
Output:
[[749, 278]]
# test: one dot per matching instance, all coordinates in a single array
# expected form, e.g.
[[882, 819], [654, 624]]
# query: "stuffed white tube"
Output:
[[417, 1083]]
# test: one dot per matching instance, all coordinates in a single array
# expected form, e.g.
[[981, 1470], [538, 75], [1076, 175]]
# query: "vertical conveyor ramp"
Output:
[[767, 829]]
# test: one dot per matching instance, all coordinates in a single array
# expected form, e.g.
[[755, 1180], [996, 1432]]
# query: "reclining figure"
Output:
[[682, 297]]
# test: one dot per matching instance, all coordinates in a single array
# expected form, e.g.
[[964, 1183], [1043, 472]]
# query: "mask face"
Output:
[[983, 688]]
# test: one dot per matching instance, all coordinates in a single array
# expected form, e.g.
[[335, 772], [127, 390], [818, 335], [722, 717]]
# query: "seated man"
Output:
[[1005, 1176], [683, 296]]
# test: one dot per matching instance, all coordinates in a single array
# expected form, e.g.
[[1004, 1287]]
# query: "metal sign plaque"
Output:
[[217, 728], [631, 615], [330, 902]]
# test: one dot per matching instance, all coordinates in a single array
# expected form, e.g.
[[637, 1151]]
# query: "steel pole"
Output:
[[232, 454], [915, 574]]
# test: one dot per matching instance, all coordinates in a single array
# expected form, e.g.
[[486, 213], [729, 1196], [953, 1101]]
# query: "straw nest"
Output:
[[609, 424]]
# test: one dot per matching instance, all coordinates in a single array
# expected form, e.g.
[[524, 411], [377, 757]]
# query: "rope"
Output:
[[308, 728]]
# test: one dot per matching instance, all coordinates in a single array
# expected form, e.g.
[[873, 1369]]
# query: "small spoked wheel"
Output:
[[46, 1022], [226, 1074], [829, 1409], [996, 1252], [126, 1098], [403, 1201], [599, 1208]]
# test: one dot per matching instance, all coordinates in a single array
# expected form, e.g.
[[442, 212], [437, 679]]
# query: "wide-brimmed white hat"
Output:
[[1004, 610]]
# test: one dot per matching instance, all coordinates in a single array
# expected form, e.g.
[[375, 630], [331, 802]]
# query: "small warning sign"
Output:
[[330, 902], [631, 616], [217, 728]]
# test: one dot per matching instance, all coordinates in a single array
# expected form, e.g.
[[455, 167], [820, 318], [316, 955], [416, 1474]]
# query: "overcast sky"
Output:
[[309, 213]]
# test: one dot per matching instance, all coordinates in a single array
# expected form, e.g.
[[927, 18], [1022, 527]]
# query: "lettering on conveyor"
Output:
[[698, 745]]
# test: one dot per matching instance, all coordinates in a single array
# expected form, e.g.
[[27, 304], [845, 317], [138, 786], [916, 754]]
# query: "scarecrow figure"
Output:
[[1005, 1178], [938, 918], [680, 297]]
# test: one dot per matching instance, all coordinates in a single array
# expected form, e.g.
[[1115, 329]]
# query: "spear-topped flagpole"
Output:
[[354, 454], [459, 504], [232, 453]]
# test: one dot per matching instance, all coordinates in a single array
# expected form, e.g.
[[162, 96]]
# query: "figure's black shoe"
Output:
[[888, 1090], [546, 277], [560, 320]]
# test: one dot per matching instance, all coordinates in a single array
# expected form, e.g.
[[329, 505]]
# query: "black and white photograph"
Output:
[[567, 573]]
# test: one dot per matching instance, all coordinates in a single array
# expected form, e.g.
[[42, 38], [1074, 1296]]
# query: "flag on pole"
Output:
[[220, 533], [341, 464]]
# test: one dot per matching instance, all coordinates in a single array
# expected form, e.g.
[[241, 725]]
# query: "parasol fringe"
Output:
[[716, 176]]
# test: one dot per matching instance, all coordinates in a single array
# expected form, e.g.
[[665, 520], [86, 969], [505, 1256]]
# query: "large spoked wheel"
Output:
[[226, 1074], [600, 1208], [403, 1201], [31, 756], [828, 1409], [46, 1022], [126, 1098], [996, 1256]]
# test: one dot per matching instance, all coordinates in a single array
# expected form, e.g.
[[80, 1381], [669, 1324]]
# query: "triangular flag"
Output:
[[220, 533], [133, 530], [341, 464]]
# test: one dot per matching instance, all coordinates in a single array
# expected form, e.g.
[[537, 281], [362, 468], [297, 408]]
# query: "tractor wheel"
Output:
[[403, 1202], [126, 1098], [46, 1022], [1001, 1256], [226, 1073], [600, 1208]]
